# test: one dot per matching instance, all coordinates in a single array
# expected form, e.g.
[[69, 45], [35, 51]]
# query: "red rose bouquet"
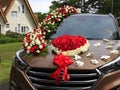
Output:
[[34, 42], [70, 45]]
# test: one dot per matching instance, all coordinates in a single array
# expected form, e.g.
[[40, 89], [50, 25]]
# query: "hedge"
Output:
[[9, 40]]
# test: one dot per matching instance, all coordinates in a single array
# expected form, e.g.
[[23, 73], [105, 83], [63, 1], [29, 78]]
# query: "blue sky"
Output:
[[40, 5]]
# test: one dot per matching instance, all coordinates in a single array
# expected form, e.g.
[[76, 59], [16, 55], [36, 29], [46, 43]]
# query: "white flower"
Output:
[[105, 40], [111, 43], [40, 46], [37, 41], [28, 51], [97, 44], [40, 32], [48, 30], [28, 47], [79, 63], [38, 51], [33, 43], [26, 44], [114, 51], [78, 10], [89, 54], [59, 19], [105, 57], [109, 47], [43, 41], [77, 57], [94, 61]]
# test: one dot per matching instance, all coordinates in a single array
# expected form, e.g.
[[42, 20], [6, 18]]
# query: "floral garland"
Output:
[[34, 42], [70, 45], [53, 19]]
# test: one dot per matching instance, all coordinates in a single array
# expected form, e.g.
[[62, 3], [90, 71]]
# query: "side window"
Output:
[[19, 9], [24, 29], [23, 8], [14, 13], [7, 25]]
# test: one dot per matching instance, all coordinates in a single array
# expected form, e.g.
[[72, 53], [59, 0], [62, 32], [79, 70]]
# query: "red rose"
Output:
[[68, 42], [36, 47], [31, 49]]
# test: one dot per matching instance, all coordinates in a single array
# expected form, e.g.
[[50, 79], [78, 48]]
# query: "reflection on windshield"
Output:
[[88, 26]]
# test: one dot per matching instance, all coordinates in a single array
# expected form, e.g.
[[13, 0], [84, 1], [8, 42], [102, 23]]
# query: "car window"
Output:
[[91, 27]]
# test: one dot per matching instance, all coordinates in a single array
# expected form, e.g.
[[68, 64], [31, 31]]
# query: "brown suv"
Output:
[[33, 73]]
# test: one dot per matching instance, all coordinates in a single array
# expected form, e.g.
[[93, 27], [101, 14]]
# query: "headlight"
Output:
[[111, 66], [19, 62]]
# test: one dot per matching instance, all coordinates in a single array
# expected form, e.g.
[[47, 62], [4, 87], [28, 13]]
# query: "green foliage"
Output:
[[41, 16], [59, 3], [11, 37], [9, 40], [91, 6], [13, 34], [110, 6]]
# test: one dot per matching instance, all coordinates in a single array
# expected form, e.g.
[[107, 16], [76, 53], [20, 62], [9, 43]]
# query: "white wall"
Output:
[[23, 19]]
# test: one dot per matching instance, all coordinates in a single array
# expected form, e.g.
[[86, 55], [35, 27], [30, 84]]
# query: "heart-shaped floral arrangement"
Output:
[[70, 45]]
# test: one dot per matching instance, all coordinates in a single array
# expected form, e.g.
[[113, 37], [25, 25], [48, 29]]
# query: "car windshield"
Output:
[[92, 27]]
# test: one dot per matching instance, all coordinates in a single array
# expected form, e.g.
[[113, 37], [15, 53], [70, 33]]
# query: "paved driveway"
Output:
[[4, 86]]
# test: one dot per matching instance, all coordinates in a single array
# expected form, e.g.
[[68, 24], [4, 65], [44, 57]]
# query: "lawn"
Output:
[[7, 52]]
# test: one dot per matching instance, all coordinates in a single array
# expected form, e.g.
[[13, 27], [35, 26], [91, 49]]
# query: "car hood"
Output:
[[97, 51]]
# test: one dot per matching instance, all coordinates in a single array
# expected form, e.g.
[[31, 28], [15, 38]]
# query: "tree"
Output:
[[85, 5], [110, 6], [91, 6], [41, 16]]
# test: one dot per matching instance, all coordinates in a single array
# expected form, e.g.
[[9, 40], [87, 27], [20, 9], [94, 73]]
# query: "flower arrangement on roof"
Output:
[[70, 45], [53, 19]]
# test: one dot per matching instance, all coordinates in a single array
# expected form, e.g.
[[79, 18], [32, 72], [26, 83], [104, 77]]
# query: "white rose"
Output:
[[42, 41], [27, 51], [28, 47], [40, 46], [48, 30], [59, 19], [38, 51], [33, 43], [38, 41], [53, 23], [26, 44]]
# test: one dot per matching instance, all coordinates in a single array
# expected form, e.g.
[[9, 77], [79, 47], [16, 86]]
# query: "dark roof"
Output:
[[2, 14], [4, 3]]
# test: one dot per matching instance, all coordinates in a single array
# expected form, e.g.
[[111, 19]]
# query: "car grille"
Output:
[[79, 79]]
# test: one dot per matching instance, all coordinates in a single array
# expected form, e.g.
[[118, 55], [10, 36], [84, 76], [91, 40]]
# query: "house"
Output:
[[16, 16]]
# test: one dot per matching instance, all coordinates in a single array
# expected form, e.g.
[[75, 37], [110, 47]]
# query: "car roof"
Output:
[[97, 15]]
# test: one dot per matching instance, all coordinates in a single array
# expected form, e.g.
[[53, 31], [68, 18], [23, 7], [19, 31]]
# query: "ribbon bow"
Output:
[[62, 62]]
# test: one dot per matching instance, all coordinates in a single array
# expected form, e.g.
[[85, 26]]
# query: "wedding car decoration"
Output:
[[105, 57], [94, 61], [62, 62], [114, 51], [34, 42], [53, 19], [79, 63], [70, 45]]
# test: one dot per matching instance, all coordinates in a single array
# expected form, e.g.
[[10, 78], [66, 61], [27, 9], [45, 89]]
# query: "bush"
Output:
[[9, 40], [13, 34]]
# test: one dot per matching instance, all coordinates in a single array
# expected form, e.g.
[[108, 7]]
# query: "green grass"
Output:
[[7, 52]]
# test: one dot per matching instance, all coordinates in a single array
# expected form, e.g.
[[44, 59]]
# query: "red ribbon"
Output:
[[62, 62]]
